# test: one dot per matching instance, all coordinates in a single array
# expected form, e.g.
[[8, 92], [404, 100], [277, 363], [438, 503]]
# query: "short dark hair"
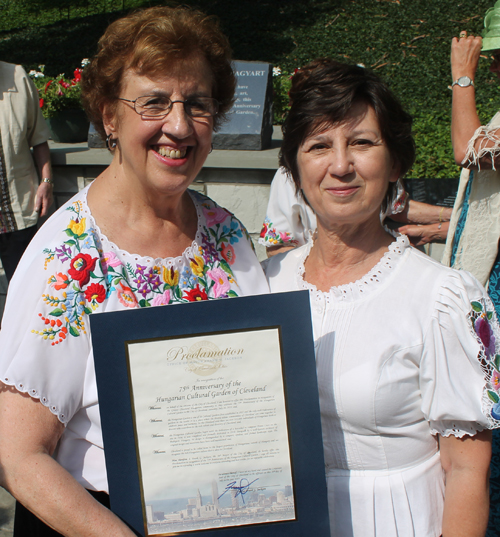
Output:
[[324, 92], [150, 42]]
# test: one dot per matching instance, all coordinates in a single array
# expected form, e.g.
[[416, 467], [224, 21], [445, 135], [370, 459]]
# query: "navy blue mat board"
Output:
[[290, 312]]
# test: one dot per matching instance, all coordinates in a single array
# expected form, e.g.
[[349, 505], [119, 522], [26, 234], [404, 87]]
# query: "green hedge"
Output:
[[407, 42]]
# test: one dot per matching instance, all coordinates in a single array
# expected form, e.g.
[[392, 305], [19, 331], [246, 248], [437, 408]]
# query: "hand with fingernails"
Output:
[[465, 53]]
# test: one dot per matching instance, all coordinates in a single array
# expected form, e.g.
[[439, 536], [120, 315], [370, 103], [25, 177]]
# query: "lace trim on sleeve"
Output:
[[486, 136], [20, 387], [485, 329], [455, 428]]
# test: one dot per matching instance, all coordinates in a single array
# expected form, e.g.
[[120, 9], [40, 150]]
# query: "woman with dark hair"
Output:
[[403, 345], [160, 84]]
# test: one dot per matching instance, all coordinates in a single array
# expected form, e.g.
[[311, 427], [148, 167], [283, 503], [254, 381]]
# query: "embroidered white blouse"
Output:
[[69, 271], [408, 351]]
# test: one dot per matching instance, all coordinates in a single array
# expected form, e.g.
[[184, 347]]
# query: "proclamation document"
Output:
[[211, 431]]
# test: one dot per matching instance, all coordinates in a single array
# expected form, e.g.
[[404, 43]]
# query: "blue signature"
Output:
[[241, 489]]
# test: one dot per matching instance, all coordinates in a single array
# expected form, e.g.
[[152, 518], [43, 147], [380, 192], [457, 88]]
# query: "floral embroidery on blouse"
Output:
[[273, 237], [484, 326], [87, 276]]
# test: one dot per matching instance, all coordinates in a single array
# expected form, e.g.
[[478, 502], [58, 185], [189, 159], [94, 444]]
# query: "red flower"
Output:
[[95, 291], [126, 296], [81, 267], [42, 102], [228, 254], [63, 84], [60, 281], [263, 231], [47, 85], [196, 294], [77, 76]]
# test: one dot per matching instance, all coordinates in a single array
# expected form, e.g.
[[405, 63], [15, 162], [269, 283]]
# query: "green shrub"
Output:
[[406, 42], [281, 86]]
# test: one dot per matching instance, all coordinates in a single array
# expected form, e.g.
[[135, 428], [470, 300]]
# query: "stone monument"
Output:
[[440, 192], [250, 120]]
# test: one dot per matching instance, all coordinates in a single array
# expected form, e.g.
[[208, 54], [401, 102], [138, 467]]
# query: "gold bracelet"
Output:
[[47, 180], [441, 215]]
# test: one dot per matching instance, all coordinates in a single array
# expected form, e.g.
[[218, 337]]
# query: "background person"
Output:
[[474, 233], [22, 198], [403, 344], [136, 237], [290, 221]]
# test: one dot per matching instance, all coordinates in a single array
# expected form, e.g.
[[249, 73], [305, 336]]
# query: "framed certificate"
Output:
[[210, 417]]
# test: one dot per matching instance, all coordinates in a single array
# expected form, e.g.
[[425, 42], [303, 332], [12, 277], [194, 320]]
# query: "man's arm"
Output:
[[44, 196]]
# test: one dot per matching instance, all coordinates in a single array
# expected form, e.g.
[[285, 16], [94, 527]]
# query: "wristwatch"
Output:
[[47, 180], [463, 82]]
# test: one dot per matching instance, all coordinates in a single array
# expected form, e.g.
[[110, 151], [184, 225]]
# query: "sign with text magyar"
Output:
[[250, 120], [215, 430]]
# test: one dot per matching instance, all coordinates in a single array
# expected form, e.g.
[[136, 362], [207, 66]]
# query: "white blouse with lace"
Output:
[[71, 270], [403, 354]]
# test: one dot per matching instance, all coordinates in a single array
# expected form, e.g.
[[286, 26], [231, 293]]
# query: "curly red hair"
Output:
[[152, 42]]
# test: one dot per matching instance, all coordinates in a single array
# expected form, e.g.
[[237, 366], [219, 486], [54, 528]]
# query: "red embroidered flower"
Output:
[[228, 254], [263, 231], [63, 84], [95, 291], [81, 267], [196, 294], [126, 296], [42, 102], [60, 281]]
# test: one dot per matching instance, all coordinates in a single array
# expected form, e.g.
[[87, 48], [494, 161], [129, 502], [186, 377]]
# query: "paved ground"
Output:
[[6, 500], [6, 513]]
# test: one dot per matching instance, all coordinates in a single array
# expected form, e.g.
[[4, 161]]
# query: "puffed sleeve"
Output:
[[44, 341], [459, 373], [289, 220]]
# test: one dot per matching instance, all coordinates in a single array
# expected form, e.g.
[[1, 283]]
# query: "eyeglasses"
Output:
[[158, 106]]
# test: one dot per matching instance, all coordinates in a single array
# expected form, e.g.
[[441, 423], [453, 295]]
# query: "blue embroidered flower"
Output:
[[234, 233], [70, 294], [495, 411], [88, 243], [187, 278]]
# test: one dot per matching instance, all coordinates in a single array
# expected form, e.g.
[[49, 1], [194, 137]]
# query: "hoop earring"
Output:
[[395, 200], [111, 143], [399, 197]]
